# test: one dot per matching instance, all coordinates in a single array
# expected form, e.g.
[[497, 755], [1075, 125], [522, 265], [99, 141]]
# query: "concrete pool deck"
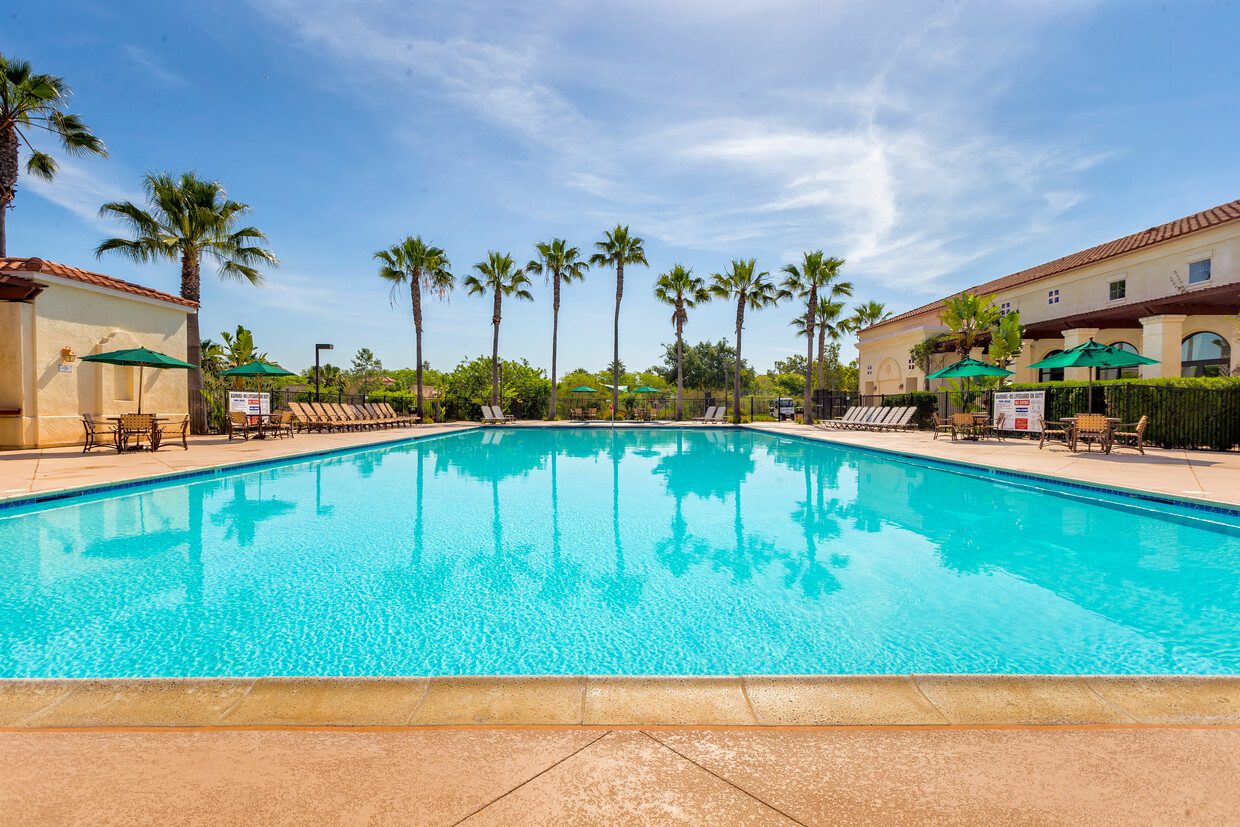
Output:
[[575, 749]]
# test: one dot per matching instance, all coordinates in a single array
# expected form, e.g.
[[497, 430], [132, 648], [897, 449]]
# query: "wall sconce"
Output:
[[67, 354]]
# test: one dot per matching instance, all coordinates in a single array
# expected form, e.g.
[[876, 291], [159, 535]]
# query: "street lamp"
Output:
[[317, 370]]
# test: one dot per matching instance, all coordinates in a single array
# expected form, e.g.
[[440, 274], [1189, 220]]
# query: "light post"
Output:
[[317, 370]]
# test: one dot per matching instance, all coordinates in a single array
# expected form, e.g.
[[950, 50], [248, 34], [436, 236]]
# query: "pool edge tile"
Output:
[[614, 700], [1018, 700], [840, 700], [1172, 699], [297, 701], [141, 702], [22, 698], [501, 701]]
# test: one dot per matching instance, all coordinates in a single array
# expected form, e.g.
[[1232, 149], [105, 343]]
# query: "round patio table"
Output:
[[138, 447]]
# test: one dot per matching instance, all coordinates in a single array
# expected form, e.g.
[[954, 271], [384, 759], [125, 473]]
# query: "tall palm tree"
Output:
[[502, 278], [815, 280], [683, 291], [423, 267], [560, 264], [617, 249], [190, 217], [29, 101], [752, 290]]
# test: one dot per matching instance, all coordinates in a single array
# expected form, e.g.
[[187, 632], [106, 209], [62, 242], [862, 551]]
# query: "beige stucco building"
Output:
[[1170, 293], [50, 315]]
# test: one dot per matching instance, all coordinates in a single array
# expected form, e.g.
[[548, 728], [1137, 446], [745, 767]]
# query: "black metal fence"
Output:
[[1202, 418]]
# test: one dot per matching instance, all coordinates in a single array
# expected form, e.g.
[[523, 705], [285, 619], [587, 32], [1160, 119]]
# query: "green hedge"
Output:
[[1183, 412]]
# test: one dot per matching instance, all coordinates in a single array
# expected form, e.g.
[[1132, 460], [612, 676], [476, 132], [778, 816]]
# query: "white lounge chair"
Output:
[[850, 416], [706, 417], [899, 420], [489, 416], [868, 415], [721, 416]]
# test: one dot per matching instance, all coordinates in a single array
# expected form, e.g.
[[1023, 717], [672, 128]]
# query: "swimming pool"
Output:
[[593, 551]]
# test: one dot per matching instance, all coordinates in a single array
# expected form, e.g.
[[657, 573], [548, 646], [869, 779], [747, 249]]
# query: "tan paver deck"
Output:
[[597, 777]]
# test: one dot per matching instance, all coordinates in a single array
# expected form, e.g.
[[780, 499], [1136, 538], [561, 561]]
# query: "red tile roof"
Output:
[[51, 268], [1223, 214]]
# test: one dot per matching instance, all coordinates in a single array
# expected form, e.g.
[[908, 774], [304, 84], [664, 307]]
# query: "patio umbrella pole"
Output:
[[141, 370]]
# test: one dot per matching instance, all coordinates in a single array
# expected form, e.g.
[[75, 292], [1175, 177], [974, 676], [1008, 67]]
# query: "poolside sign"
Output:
[[250, 403], [1022, 410]]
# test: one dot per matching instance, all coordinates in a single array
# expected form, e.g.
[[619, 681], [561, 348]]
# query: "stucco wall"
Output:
[[1153, 273], [88, 321]]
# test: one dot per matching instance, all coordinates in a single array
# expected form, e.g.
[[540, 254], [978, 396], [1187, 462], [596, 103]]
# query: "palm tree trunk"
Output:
[[191, 288], [736, 382], [495, 351], [822, 358], [8, 179], [811, 311], [680, 365], [553, 413], [615, 338], [415, 295]]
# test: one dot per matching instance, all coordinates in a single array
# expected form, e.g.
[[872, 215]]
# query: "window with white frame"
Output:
[[1117, 290], [1005, 308], [1199, 271], [1052, 297]]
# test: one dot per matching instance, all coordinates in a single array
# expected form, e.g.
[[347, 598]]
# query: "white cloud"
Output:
[[81, 187], [153, 66]]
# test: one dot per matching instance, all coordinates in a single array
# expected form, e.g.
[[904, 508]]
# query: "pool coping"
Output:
[[757, 701], [224, 469]]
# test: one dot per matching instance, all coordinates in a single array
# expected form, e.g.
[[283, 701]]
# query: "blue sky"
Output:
[[933, 145]]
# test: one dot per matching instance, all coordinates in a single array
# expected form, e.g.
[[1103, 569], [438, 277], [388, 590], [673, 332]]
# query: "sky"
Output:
[[932, 145]]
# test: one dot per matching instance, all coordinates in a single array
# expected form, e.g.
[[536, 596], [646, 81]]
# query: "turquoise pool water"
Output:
[[667, 551]]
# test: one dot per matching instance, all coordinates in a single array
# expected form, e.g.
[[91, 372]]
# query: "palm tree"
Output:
[[617, 249], [867, 314], [830, 325], [752, 290], [422, 267], [560, 263], [500, 276], [684, 291], [190, 217], [817, 279], [29, 101], [968, 316]]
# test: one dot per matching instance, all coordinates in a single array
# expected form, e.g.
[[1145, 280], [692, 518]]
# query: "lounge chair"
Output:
[[885, 416], [329, 419], [489, 417], [851, 415], [1091, 428], [868, 415], [309, 418], [171, 430], [239, 423], [721, 416], [901, 419], [1052, 432], [363, 417], [98, 432], [706, 417], [397, 419], [1131, 435]]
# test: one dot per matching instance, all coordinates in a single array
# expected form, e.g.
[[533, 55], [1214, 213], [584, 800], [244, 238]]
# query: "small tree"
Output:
[[968, 317], [366, 370], [1007, 339], [923, 354]]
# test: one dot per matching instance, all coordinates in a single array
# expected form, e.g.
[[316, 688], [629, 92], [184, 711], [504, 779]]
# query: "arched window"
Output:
[[1121, 373], [1051, 374], [1205, 354]]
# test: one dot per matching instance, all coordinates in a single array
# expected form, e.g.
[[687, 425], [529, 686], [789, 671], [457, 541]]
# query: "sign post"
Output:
[[1022, 410]]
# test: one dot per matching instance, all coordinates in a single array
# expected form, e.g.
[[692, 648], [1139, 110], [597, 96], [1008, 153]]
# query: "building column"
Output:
[[1072, 338], [1162, 338], [1028, 355]]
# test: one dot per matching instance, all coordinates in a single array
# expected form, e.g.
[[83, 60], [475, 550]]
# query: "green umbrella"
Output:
[[258, 369], [1094, 355], [966, 368], [142, 358], [646, 389], [583, 389]]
